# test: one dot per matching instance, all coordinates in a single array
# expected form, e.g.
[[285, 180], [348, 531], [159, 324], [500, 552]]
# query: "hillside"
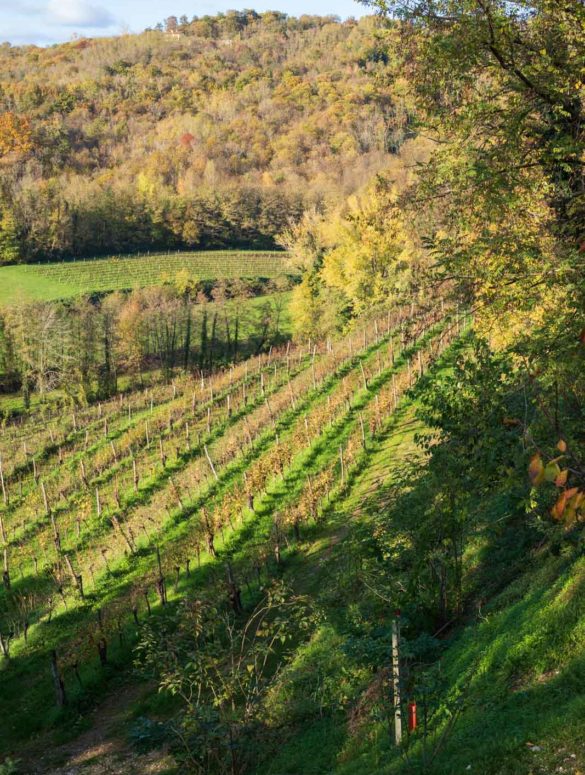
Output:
[[174, 483], [333, 532], [215, 134], [498, 692], [320, 522]]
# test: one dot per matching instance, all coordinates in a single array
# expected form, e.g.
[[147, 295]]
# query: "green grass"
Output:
[[520, 674], [318, 744], [517, 666], [22, 667], [67, 279]]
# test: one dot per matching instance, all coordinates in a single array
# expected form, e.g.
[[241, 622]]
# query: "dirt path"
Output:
[[102, 749]]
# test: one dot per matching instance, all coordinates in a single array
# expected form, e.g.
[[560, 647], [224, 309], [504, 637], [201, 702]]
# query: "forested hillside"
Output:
[[210, 133]]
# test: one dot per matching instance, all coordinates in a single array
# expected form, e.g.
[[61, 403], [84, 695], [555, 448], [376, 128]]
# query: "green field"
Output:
[[66, 279], [322, 437]]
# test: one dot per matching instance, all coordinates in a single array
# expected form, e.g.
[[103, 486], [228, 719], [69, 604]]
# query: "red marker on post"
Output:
[[411, 716]]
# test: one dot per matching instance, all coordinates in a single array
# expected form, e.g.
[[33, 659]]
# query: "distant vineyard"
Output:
[[71, 278]]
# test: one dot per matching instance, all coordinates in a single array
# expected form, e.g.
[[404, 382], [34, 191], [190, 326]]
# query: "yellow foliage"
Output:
[[374, 257], [15, 135]]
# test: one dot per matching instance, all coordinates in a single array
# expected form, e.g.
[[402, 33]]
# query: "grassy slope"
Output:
[[519, 664], [22, 719], [46, 282], [318, 743], [19, 284]]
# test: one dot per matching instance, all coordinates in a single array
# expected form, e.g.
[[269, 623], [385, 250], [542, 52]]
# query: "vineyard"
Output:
[[77, 277], [117, 510], [292, 461]]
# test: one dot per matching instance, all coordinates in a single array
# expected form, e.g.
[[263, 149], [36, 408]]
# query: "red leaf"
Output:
[[186, 139], [559, 507]]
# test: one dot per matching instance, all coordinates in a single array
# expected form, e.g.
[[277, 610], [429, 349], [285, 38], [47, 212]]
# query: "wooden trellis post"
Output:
[[396, 678], [3, 484]]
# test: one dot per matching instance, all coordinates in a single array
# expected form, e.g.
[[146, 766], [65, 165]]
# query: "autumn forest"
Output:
[[214, 135]]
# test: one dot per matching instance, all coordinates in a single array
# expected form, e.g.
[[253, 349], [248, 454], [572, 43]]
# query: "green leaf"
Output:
[[551, 471]]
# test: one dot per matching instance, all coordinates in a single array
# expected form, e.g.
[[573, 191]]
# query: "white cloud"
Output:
[[78, 13]]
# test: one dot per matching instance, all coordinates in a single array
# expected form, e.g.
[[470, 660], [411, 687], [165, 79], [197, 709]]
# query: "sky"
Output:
[[52, 21]]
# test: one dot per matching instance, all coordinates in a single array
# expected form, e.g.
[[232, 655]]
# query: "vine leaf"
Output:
[[536, 470]]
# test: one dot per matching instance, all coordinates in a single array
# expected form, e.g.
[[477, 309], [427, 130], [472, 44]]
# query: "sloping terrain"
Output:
[[506, 697], [214, 135], [108, 512]]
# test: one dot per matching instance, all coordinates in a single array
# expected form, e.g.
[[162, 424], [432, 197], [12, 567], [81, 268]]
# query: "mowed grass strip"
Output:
[[67, 279]]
